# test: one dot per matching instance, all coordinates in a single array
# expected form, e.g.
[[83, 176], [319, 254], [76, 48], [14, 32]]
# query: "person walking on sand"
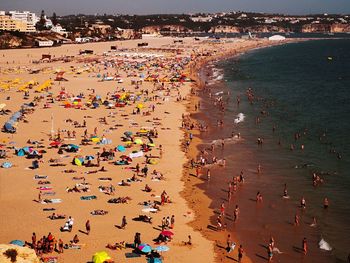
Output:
[[87, 227], [235, 214], [222, 209], [124, 223]]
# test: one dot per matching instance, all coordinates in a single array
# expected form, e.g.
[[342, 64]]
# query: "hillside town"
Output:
[[27, 29]]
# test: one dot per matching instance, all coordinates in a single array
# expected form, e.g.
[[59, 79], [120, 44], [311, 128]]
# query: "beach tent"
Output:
[[101, 257], [20, 152]]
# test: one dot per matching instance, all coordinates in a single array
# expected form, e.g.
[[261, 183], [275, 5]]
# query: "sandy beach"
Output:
[[145, 93]]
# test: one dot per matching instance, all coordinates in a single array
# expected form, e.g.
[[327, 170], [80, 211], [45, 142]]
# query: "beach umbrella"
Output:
[[162, 248], [17, 242], [95, 139], [145, 248], [154, 260], [55, 143], [78, 161], [167, 233], [138, 141], [128, 133], [121, 148], [140, 106], [89, 157], [73, 146], [100, 257], [6, 165]]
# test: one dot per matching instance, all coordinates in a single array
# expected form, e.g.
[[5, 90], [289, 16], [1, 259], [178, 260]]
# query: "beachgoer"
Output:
[[124, 223], [303, 202], [269, 252], [304, 246], [75, 239], [60, 246], [235, 213], [172, 222], [325, 203], [296, 220], [87, 227]]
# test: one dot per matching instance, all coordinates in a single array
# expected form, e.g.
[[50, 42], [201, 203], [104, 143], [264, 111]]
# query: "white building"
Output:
[[30, 18], [47, 43], [201, 18], [60, 30]]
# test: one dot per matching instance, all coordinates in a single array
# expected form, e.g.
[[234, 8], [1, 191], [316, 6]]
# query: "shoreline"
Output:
[[195, 196]]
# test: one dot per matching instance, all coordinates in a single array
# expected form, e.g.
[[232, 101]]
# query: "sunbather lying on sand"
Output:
[[99, 212], [116, 246], [57, 216]]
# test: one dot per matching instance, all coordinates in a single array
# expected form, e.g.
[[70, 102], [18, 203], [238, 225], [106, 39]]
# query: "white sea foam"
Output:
[[324, 245], [239, 118]]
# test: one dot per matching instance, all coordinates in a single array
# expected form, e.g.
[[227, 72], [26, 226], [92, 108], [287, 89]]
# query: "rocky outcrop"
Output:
[[160, 28], [316, 28], [266, 29], [225, 29], [340, 28]]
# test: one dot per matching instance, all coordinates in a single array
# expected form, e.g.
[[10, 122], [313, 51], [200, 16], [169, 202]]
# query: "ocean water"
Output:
[[299, 88]]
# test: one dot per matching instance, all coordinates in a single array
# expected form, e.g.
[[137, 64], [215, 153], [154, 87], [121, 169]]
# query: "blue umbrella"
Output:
[[89, 157], [145, 248], [162, 248], [17, 242], [73, 146], [154, 260], [128, 133], [6, 165], [121, 148]]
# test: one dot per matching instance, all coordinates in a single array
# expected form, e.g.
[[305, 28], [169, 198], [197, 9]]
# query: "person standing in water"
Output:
[[304, 245]]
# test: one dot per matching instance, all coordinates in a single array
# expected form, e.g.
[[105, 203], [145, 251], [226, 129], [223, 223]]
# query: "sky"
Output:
[[66, 7]]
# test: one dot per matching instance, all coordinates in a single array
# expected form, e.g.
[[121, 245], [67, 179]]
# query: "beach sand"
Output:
[[21, 214]]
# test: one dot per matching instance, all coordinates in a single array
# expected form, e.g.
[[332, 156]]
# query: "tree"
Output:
[[54, 19], [41, 23]]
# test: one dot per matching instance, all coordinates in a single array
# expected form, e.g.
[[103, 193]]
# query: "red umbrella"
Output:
[[167, 233], [55, 143]]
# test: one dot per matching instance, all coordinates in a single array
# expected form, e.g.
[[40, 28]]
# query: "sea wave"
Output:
[[239, 118]]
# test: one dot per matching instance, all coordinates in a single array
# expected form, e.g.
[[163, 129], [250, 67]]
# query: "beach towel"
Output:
[[51, 201], [39, 177], [49, 193], [132, 255], [149, 210], [88, 197], [44, 188], [50, 259]]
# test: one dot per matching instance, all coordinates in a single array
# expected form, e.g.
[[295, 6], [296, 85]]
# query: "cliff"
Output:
[[340, 28], [316, 28], [159, 28], [224, 29]]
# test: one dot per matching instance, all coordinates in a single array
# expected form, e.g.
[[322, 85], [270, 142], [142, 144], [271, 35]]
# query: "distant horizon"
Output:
[[49, 14], [154, 7]]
